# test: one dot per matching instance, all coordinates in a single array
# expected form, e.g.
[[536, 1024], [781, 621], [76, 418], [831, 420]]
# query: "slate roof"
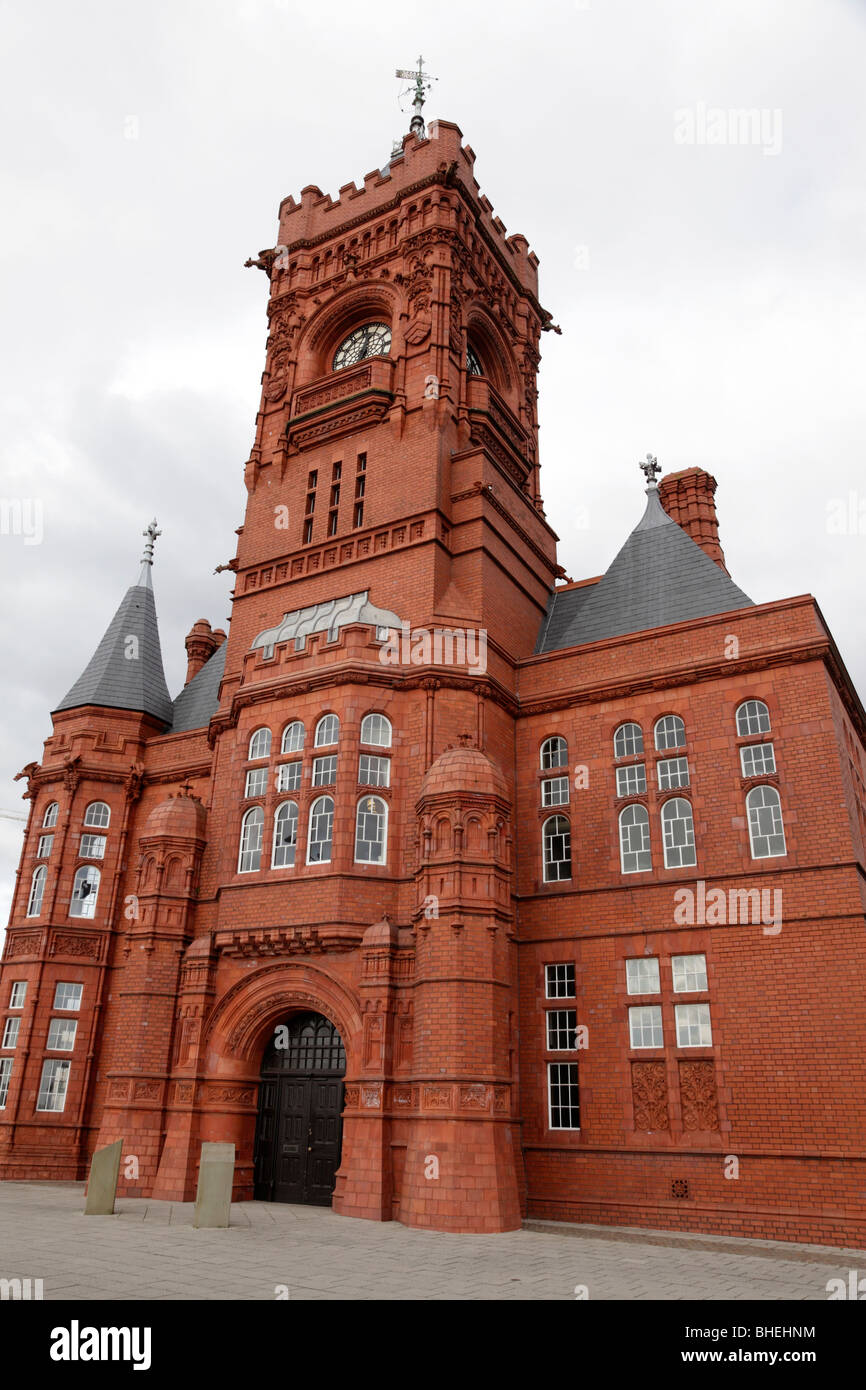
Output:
[[114, 677], [661, 576], [197, 702], [326, 617]]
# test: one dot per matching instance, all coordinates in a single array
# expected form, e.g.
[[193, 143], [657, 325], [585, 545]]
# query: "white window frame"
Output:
[[627, 743], [293, 738], [290, 776], [685, 971], [753, 814], [637, 969], [555, 1029], [553, 981], [678, 856], [252, 830], [631, 779], [11, 1029], [550, 749], [97, 849], [5, 1078], [668, 769], [643, 1017], [97, 816], [554, 791], [62, 1026], [328, 724], [53, 1085], [37, 891], [44, 847], [361, 810], [314, 815], [379, 726], [664, 730], [752, 719], [80, 904], [279, 818], [72, 990], [259, 738], [325, 770], [558, 1068], [366, 762], [50, 818], [631, 818], [768, 759], [255, 782], [18, 992], [690, 1017], [548, 862]]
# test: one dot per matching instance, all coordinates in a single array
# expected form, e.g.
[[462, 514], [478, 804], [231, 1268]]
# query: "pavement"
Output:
[[149, 1250]]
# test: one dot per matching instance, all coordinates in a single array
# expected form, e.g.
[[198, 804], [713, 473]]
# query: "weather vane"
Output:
[[151, 533], [650, 468], [422, 82]]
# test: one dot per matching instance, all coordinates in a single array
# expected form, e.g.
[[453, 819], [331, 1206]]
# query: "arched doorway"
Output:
[[298, 1131]]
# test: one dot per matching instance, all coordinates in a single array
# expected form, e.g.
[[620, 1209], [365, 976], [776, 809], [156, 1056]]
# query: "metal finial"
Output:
[[151, 533], [650, 468], [423, 81]]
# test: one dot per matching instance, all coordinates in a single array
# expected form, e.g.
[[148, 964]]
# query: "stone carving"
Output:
[[437, 1097], [234, 1095], [352, 1096], [147, 1090], [371, 1097], [118, 1090], [419, 295], [64, 945], [278, 377], [474, 1098], [698, 1096], [23, 945], [402, 1096], [649, 1089]]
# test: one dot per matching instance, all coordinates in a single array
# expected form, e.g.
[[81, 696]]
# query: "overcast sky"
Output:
[[711, 295]]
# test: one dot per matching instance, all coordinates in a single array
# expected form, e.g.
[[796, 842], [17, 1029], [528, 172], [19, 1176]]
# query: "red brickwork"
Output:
[[432, 965]]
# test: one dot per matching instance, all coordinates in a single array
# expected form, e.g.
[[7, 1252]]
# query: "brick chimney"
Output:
[[201, 643], [687, 497]]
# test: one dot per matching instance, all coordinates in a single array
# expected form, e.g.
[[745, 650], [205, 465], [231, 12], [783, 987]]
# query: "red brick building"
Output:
[[447, 890]]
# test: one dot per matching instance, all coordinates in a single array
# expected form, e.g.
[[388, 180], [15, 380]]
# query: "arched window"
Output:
[[556, 848], [376, 729], [766, 828], [85, 890], [371, 830], [97, 814], [670, 732], [37, 890], [252, 830], [293, 737], [628, 741], [285, 835], [327, 731], [50, 817], [678, 833], [473, 361], [634, 839], [321, 836], [753, 717], [554, 753], [260, 744]]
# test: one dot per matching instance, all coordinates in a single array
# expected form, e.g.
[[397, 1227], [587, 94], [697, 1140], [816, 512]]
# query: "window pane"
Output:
[[373, 771], [634, 835], [693, 1025], [293, 737], [645, 1026], [631, 780], [690, 973], [678, 834], [753, 717], [642, 975], [61, 1034], [554, 791], [376, 729], [285, 836], [563, 1095], [50, 817], [670, 732], [757, 759], [554, 753], [97, 814], [370, 831], [673, 772], [67, 996], [559, 981], [85, 891], [561, 1030], [92, 847], [37, 889], [18, 995], [5, 1075], [260, 744], [10, 1032], [252, 831], [628, 741], [766, 830], [321, 831], [256, 782], [52, 1087], [289, 777], [327, 731], [556, 842], [325, 770]]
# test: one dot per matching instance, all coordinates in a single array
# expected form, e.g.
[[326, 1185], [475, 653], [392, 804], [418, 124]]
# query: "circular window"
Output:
[[473, 366], [373, 340]]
